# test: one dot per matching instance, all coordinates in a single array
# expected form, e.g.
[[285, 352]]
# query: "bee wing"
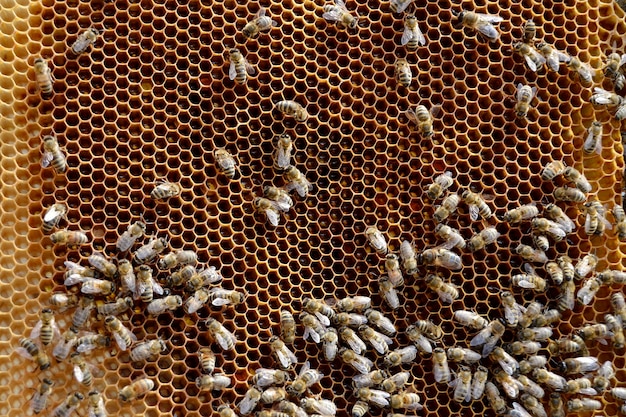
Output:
[[380, 398], [218, 302], [157, 288], [23, 353], [46, 158], [531, 64], [379, 345], [34, 402], [222, 340], [410, 114], [520, 91], [232, 71], [250, 68], [34, 334], [420, 37], [282, 158], [283, 358], [403, 5], [332, 14], [445, 297], [52, 214], [489, 18], [323, 319], [99, 406], [78, 373], [481, 337], [124, 242], [488, 30], [363, 366], [473, 211], [356, 344], [423, 344], [524, 283], [553, 61], [260, 13], [407, 35], [440, 373], [120, 341], [272, 217], [340, 4], [489, 346]]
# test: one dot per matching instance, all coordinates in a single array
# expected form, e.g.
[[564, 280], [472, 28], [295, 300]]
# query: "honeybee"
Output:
[[619, 305], [89, 342], [394, 273], [318, 406], [566, 265], [408, 257], [52, 155], [620, 222], [470, 319], [412, 35], [552, 170], [440, 257], [339, 13], [330, 344], [297, 181], [446, 292], [395, 382], [507, 362], [180, 277], [524, 347], [422, 342], [510, 385], [593, 142], [529, 32], [462, 385], [225, 161], [283, 355], [530, 313], [456, 354], [160, 306], [250, 401], [312, 327], [478, 382], [556, 273], [535, 334], [532, 404], [447, 207], [440, 366], [618, 393], [98, 261], [578, 405], [403, 73], [46, 328], [582, 70], [196, 301], [136, 389], [63, 301], [359, 363], [549, 227], [350, 337], [541, 242], [579, 180], [306, 378], [83, 313], [76, 273], [43, 76], [483, 23], [525, 212], [530, 254], [273, 395], [280, 198], [127, 277], [531, 386], [319, 309], [483, 238], [238, 71], [370, 379], [579, 365], [85, 40], [373, 396], [595, 222], [123, 337], [164, 190], [405, 400], [292, 108], [207, 359], [379, 341], [512, 310], [150, 250], [267, 207], [612, 69], [495, 399], [451, 236], [67, 407], [202, 278], [147, 350], [348, 304], [602, 380], [267, 377], [525, 95], [547, 318], [53, 216], [360, 409], [389, 293], [423, 118], [376, 240], [612, 277], [40, 399], [217, 382], [552, 55], [555, 213], [567, 298], [588, 290], [585, 266], [224, 338], [574, 345], [96, 404], [477, 206], [439, 186], [260, 23], [556, 407], [287, 326], [488, 337], [381, 322], [529, 280], [600, 332], [282, 153], [291, 409], [129, 237], [615, 326], [64, 345], [146, 285], [82, 371]]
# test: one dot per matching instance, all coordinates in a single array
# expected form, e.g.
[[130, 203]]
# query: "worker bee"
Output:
[[69, 238], [507, 362], [610, 276], [360, 409], [531, 387], [440, 366], [456, 354], [379, 341], [585, 266], [602, 379], [89, 342], [529, 280], [147, 350], [412, 35], [451, 236], [525, 96], [470, 319], [579, 365], [330, 344], [564, 345], [547, 318], [555, 213], [495, 399], [196, 301], [127, 276], [202, 278], [423, 343], [593, 142], [612, 69], [579, 180], [268, 377], [225, 161], [306, 378], [260, 23], [619, 305], [462, 385], [525, 347], [82, 371], [249, 401], [85, 40], [376, 240], [319, 309], [447, 207], [615, 326], [389, 293], [292, 409], [405, 400], [525, 212], [600, 332], [53, 216], [510, 385], [566, 265], [339, 13], [408, 257], [238, 71], [578, 405], [63, 301], [549, 227], [46, 328], [280, 198], [536, 334], [297, 181], [529, 32], [512, 310], [65, 344], [439, 186], [129, 237], [207, 359], [146, 285], [440, 257], [287, 326], [43, 76], [67, 407], [582, 70], [552, 55], [556, 273], [423, 118], [318, 406], [483, 238], [150, 250], [282, 153], [164, 190], [400, 356], [531, 404], [28, 349], [620, 222], [348, 304], [283, 355], [312, 327], [136, 389], [123, 337], [359, 363], [273, 395], [483, 23], [394, 273], [488, 337], [477, 206], [267, 207], [76, 274], [395, 382], [618, 393], [83, 313], [160, 306], [541, 242], [478, 382], [52, 155], [530, 254], [447, 292], [403, 73], [588, 290], [217, 382], [96, 404], [370, 379], [375, 397], [601, 97], [533, 59], [383, 323], [552, 170], [107, 268], [180, 277], [595, 222], [350, 337], [40, 399], [556, 407], [530, 313], [292, 108], [224, 338], [180, 257]]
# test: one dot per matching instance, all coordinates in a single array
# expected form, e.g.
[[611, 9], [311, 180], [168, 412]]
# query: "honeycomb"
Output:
[[151, 101]]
